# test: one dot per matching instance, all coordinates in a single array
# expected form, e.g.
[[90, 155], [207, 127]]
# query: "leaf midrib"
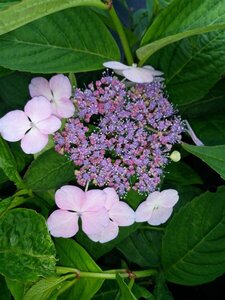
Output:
[[174, 265], [55, 47]]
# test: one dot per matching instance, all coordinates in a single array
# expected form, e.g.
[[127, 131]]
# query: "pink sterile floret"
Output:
[[32, 126], [73, 204], [120, 214], [157, 208], [58, 91]]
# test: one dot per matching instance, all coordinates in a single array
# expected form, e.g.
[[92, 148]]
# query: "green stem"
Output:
[[73, 80], [106, 275], [122, 35]]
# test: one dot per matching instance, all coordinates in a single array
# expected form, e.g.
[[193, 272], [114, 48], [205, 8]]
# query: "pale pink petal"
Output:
[[138, 75], [168, 198], [94, 221], [38, 109], [144, 212], [154, 198], [63, 108], [60, 86], [50, 125], [153, 71], [122, 214], [115, 65], [62, 223], [95, 200], [39, 86], [107, 234], [160, 215], [34, 141], [111, 197], [14, 125], [69, 197]]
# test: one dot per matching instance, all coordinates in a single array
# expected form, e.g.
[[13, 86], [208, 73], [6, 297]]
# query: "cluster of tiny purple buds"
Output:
[[120, 137]]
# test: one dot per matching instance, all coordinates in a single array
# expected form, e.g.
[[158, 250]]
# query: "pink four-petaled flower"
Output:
[[157, 208], [100, 211], [58, 91], [73, 204], [32, 126]]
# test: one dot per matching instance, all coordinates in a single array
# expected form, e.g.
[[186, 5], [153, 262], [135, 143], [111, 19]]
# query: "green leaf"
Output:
[[7, 3], [180, 20], [49, 171], [185, 83], [4, 204], [214, 156], [45, 289], [26, 249], [73, 255], [8, 164], [73, 40], [17, 288], [181, 174], [211, 104], [210, 130], [193, 248], [27, 11], [125, 292], [143, 247]]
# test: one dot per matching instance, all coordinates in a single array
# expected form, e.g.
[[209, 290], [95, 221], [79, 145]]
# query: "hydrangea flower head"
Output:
[[133, 73], [32, 126], [120, 137], [158, 207], [58, 91]]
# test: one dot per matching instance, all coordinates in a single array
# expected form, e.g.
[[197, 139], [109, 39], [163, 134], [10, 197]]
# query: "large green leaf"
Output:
[[212, 103], [49, 171], [192, 66], [74, 40], [8, 164], [73, 255], [214, 156], [210, 130], [182, 19], [193, 248], [27, 10], [143, 247], [26, 249]]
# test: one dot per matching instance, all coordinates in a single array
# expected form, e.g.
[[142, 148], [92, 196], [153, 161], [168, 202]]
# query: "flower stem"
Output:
[[106, 274], [122, 35]]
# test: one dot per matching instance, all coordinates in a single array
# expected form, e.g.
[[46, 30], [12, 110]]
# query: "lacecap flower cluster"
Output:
[[119, 137]]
